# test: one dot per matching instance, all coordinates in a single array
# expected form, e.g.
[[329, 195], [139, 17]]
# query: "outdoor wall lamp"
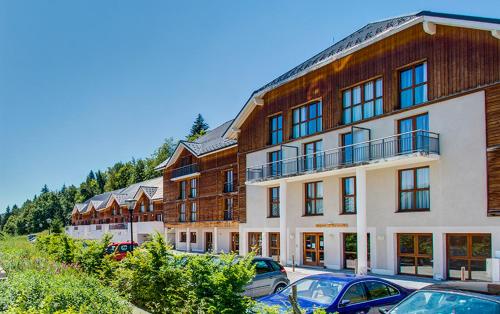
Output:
[[131, 205]]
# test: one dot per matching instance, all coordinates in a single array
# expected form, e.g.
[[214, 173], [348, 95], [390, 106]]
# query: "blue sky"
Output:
[[84, 84]]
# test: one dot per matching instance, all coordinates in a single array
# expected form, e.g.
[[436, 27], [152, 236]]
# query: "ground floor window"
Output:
[[351, 250], [183, 237], [235, 242], [314, 249], [274, 244], [415, 254], [209, 244], [255, 242], [193, 237], [469, 251]]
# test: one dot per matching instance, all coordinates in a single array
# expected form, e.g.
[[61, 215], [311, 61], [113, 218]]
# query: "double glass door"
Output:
[[314, 249], [469, 251], [409, 140]]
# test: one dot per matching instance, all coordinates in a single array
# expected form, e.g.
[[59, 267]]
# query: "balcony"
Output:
[[229, 187], [185, 172], [405, 144]]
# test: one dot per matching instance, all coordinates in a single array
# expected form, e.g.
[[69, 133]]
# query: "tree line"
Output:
[[54, 207]]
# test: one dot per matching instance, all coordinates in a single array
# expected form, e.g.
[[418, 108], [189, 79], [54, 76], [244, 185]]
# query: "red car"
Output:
[[120, 249]]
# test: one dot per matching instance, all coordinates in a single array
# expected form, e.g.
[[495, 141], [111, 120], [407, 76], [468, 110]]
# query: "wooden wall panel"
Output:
[[493, 143]]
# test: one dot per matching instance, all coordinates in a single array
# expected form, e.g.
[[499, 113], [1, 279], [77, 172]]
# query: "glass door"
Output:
[[314, 248], [410, 141], [208, 242], [415, 254], [235, 242], [469, 251], [351, 250]]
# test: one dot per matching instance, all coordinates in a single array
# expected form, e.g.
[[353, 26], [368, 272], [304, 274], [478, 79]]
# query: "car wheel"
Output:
[[279, 288]]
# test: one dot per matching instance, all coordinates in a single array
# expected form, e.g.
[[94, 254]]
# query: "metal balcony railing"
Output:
[[418, 141], [185, 170]]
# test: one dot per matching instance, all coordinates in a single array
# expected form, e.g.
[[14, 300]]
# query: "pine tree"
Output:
[[45, 189], [198, 129], [101, 180]]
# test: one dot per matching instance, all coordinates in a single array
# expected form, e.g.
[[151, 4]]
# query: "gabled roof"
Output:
[[365, 36], [153, 188], [211, 142]]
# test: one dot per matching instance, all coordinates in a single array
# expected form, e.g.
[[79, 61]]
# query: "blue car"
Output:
[[342, 293]]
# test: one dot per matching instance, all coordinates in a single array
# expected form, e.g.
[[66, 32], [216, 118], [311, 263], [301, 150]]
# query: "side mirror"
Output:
[[344, 302], [383, 311]]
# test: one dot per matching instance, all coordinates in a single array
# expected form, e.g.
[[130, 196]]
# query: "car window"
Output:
[[317, 290], [379, 290], [110, 249], [355, 294], [123, 248], [275, 266], [423, 302], [262, 267]]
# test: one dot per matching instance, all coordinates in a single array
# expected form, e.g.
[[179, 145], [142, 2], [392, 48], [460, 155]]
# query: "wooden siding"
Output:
[[210, 193], [458, 59], [493, 145]]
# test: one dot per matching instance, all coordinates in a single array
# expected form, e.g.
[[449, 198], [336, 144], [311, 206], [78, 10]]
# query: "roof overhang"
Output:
[[429, 23]]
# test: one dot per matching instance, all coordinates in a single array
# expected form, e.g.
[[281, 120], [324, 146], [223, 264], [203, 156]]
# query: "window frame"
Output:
[[363, 101], [182, 189], [195, 212], [258, 236], [315, 199], [228, 185], [469, 258], [275, 166], [416, 252], [414, 191], [344, 196], [271, 247], [272, 201], [314, 155], [182, 237], [307, 119], [276, 131], [193, 188], [182, 212], [413, 86], [191, 234], [228, 210]]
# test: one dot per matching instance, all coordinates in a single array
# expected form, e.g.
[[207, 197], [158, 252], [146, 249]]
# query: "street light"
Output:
[[131, 205], [48, 222]]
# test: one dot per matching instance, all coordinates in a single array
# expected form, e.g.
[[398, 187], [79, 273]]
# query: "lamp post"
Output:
[[131, 204], [48, 222]]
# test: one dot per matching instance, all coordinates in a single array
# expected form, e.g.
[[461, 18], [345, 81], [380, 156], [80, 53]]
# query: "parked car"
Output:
[[342, 293], [120, 249], [270, 277], [454, 297], [31, 237]]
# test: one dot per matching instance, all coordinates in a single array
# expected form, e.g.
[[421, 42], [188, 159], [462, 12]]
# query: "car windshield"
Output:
[[110, 249], [423, 302], [315, 290]]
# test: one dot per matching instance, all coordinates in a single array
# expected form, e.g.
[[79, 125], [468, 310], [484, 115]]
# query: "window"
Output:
[[255, 242], [182, 213], [235, 242], [228, 181], [142, 207], [362, 101], [314, 198], [414, 189], [194, 212], [182, 190], [183, 237], [159, 217], [262, 267], [349, 195], [274, 159], [276, 129], [355, 294], [413, 85], [274, 202], [307, 120], [469, 251], [351, 249], [228, 209], [193, 237], [274, 244], [347, 149], [415, 254], [411, 140], [379, 290], [313, 155], [193, 187], [151, 206]]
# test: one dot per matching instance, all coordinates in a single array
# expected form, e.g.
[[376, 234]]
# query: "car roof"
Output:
[[345, 278], [485, 289]]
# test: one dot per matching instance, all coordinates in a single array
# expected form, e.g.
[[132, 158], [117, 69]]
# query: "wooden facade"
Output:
[[493, 148], [459, 61], [210, 196]]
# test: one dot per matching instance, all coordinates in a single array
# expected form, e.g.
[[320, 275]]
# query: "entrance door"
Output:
[[208, 242], [314, 246], [469, 251], [415, 254], [351, 250], [235, 242]]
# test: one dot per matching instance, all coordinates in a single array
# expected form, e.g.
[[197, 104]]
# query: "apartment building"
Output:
[[380, 152], [201, 194], [108, 213]]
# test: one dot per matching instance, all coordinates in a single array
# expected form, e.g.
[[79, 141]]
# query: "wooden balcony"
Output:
[[185, 172]]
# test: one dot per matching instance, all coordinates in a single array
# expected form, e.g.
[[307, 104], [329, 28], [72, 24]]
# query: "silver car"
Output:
[[270, 278]]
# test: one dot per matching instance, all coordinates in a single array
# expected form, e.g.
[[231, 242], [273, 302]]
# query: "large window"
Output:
[[347, 149], [274, 159], [307, 120], [255, 242], [193, 237], [415, 254], [469, 251], [413, 85], [182, 189], [193, 187], [194, 212], [349, 195], [313, 155], [362, 102], [182, 212], [314, 198], [151, 206], [274, 202], [228, 181], [276, 129], [183, 237], [228, 208], [274, 244], [414, 189]]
